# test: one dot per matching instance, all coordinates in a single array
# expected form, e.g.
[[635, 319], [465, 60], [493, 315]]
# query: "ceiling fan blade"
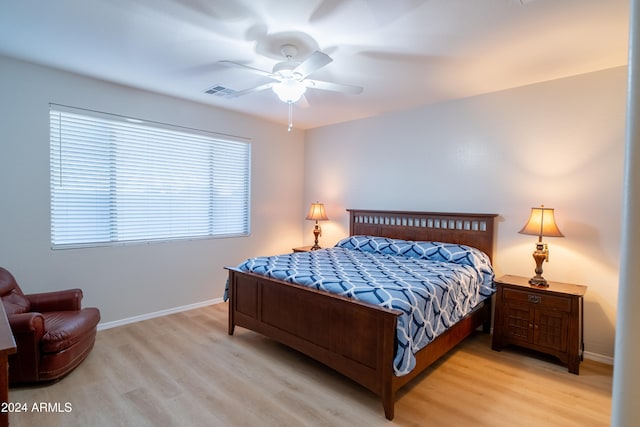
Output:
[[251, 90], [335, 87], [251, 69], [316, 61]]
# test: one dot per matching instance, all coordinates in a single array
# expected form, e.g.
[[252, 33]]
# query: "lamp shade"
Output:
[[316, 212], [542, 223]]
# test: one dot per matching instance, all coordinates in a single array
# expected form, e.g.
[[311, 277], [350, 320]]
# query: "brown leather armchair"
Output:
[[53, 333]]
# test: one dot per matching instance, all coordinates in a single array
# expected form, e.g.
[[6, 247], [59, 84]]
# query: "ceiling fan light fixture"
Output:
[[289, 90], [291, 75]]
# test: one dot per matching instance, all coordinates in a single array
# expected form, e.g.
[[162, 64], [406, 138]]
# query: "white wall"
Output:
[[558, 143], [132, 280]]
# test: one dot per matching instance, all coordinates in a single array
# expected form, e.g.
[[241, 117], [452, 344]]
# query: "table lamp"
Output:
[[541, 223], [316, 213]]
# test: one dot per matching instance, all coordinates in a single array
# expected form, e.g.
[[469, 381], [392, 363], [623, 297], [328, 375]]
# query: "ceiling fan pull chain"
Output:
[[290, 116]]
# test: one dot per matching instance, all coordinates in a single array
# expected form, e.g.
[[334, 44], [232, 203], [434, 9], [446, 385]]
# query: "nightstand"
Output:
[[548, 320], [302, 249]]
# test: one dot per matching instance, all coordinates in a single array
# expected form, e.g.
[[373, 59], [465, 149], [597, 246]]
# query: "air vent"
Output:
[[222, 91]]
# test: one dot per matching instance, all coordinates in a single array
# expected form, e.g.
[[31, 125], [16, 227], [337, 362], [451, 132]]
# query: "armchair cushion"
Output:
[[66, 328], [15, 303], [12, 297]]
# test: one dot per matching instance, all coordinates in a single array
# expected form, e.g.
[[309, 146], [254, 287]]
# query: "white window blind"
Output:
[[113, 180]]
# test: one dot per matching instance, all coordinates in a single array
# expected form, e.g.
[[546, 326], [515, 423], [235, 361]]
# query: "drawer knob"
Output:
[[535, 299]]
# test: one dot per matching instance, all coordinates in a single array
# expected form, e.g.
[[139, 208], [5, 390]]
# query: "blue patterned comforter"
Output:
[[434, 284]]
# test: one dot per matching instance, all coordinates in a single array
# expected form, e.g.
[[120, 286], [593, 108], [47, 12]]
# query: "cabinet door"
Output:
[[551, 329], [518, 323]]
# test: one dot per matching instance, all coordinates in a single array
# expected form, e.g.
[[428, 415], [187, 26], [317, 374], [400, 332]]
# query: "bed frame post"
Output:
[[230, 290], [388, 402], [486, 326], [386, 351]]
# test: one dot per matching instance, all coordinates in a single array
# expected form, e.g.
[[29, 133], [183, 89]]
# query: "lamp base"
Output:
[[538, 281], [316, 233], [539, 255]]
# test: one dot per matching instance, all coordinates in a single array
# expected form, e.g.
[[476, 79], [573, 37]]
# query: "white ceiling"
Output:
[[405, 53]]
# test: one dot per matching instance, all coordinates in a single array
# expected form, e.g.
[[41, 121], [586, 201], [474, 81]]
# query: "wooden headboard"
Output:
[[470, 229]]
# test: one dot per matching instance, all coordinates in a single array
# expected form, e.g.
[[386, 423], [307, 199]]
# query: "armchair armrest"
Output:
[[69, 299], [31, 324], [28, 330]]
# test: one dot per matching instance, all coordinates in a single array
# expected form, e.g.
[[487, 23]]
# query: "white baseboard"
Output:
[[598, 358], [115, 323]]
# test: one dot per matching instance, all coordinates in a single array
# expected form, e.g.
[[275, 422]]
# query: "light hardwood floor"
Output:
[[184, 370]]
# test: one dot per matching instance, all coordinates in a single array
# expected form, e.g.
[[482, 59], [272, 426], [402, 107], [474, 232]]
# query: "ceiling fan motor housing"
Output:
[[285, 68], [288, 50]]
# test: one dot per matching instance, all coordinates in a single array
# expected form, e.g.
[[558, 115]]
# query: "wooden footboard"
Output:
[[353, 338]]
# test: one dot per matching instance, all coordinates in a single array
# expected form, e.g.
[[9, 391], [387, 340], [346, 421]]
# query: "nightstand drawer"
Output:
[[549, 302]]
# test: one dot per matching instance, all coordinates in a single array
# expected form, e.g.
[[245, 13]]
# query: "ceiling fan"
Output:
[[290, 77]]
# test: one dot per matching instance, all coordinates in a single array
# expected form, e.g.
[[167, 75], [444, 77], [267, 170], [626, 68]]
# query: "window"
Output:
[[115, 179]]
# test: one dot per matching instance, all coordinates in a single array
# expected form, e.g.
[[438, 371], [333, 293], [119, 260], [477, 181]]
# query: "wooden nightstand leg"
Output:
[[574, 365]]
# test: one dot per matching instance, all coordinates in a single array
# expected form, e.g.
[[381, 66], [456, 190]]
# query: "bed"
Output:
[[357, 338]]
